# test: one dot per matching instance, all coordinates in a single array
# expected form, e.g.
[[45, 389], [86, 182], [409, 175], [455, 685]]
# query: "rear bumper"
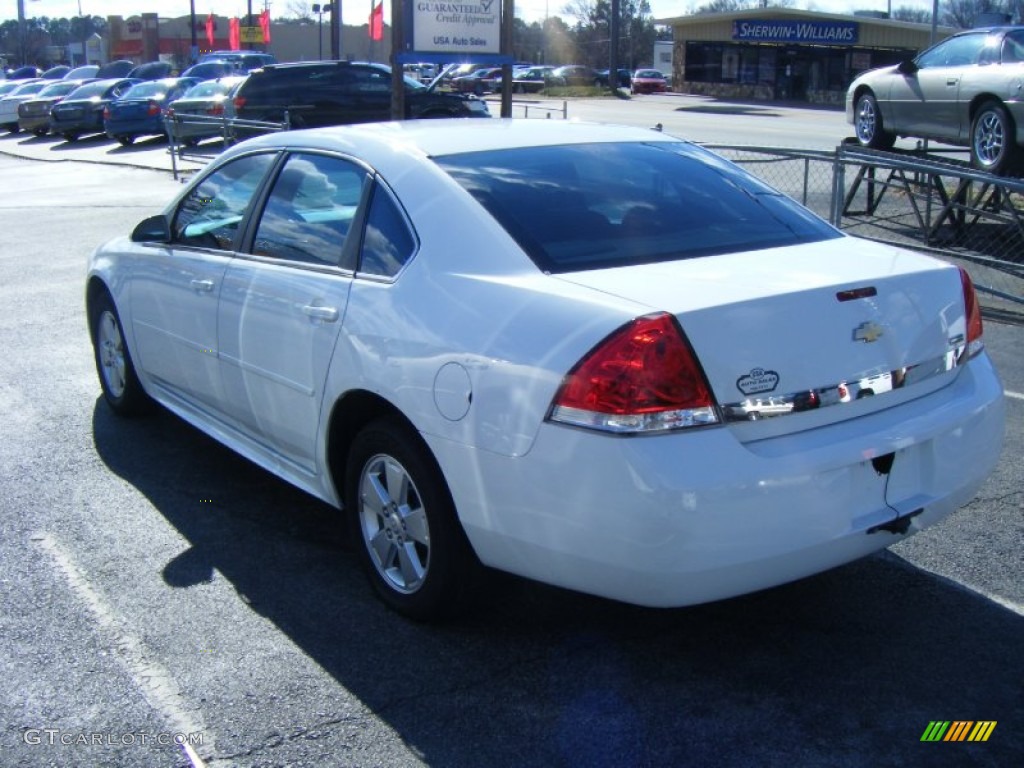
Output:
[[692, 517]]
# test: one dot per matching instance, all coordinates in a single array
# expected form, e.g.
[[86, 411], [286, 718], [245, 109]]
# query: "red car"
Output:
[[648, 81], [479, 82]]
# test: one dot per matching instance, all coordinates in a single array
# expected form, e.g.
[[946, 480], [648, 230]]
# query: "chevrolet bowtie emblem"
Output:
[[868, 332]]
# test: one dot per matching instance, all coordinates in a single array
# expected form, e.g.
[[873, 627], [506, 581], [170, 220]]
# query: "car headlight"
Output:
[[477, 105]]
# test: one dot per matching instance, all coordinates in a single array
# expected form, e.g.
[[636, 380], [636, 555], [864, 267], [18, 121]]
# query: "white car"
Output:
[[9, 103], [542, 347]]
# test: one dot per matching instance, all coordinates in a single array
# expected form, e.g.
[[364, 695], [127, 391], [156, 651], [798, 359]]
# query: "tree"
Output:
[[916, 15], [961, 13]]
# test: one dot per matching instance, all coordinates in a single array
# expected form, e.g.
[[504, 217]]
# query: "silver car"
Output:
[[965, 90]]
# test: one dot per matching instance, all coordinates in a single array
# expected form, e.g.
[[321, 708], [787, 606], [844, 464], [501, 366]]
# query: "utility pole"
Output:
[[336, 29]]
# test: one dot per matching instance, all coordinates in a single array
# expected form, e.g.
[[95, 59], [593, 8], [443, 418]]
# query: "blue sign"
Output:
[[813, 32]]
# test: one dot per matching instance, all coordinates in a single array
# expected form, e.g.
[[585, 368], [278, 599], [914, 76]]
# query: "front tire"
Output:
[[403, 521], [120, 383], [125, 141], [993, 140], [867, 122]]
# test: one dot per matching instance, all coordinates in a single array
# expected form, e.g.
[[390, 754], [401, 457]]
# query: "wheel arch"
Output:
[[349, 414], [94, 289]]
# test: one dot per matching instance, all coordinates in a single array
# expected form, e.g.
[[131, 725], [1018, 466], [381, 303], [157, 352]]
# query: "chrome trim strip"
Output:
[[844, 392]]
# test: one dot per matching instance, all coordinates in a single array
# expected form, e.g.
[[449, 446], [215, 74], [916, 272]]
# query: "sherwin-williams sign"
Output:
[[468, 27], [817, 32]]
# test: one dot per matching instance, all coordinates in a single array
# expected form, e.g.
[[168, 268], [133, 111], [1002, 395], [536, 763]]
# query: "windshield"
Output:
[[146, 90], [58, 89], [595, 206], [90, 90]]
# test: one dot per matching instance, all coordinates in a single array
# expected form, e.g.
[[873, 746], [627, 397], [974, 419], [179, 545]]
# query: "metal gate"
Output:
[[909, 199]]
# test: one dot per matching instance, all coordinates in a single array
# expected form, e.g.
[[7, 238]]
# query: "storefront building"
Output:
[[149, 37], [786, 54]]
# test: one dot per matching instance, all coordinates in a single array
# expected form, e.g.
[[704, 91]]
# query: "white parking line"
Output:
[[1014, 395], [156, 683]]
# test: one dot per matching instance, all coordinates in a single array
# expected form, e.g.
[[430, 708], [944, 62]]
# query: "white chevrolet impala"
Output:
[[596, 356]]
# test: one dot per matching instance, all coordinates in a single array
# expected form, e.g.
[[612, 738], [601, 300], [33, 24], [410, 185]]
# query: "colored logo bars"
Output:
[[958, 730]]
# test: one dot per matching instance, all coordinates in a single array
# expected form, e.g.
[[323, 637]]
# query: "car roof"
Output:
[[377, 142]]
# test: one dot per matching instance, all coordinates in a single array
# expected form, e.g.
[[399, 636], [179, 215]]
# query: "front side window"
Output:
[[210, 215], [310, 210], [594, 206], [959, 51]]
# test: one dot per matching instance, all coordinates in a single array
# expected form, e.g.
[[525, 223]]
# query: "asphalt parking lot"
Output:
[[155, 585]]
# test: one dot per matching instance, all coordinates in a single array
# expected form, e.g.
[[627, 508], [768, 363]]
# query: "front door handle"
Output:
[[327, 314], [202, 286]]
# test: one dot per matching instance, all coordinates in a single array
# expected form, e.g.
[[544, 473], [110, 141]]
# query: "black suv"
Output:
[[339, 92]]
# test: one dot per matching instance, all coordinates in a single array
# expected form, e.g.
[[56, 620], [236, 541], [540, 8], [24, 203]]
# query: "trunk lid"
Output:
[[792, 330]]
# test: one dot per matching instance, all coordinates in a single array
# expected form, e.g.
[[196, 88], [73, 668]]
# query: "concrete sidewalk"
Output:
[[153, 153]]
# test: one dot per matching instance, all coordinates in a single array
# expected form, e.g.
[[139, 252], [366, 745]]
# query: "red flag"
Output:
[[265, 25], [376, 30], [234, 34], [211, 25]]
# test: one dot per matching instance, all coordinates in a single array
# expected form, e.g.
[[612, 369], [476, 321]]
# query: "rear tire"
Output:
[[994, 140], [867, 122], [70, 137], [404, 525], [125, 141]]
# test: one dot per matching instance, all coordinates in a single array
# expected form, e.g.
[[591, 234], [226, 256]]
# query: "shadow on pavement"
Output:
[[844, 669]]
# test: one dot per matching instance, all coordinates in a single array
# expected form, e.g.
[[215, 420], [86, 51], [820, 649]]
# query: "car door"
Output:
[[176, 288], [282, 305], [926, 101]]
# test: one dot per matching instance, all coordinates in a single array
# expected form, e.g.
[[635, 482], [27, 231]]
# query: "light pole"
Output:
[[320, 10], [192, 20]]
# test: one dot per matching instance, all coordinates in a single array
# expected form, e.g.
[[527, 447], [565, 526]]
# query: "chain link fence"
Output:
[[941, 206]]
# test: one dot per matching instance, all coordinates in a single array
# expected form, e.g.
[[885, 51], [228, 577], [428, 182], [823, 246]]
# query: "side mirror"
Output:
[[907, 67], [155, 229]]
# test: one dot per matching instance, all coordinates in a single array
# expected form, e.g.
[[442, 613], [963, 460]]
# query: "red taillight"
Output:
[[106, 113], [642, 378], [972, 313], [239, 102], [216, 109], [154, 108]]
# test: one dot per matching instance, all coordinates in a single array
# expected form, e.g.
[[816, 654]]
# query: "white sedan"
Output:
[[596, 356]]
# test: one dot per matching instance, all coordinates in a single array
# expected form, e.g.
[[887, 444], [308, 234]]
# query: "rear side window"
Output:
[[388, 243], [596, 206]]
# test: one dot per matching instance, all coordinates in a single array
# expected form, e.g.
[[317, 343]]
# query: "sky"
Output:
[[356, 11]]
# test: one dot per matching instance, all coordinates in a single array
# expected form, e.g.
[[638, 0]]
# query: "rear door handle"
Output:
[[952, 81], [202, 286], [327, 314]]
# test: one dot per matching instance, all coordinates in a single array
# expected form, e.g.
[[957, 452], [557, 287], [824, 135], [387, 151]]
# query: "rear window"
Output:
[[595, 206]]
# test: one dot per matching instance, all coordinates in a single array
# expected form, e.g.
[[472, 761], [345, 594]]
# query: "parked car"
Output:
[[244, 61], [479, 82], [568, 392], [211, 70], [56, 73], [9, 103], [338, 92], [115, 69], [152, 70], [963, 91], [210, 98], [7, 86], [85, 72], [34, 113], [648, 81], [601, 78], [25, 73], [80, 113], [531, 79], [140, 110], [574, 74]]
